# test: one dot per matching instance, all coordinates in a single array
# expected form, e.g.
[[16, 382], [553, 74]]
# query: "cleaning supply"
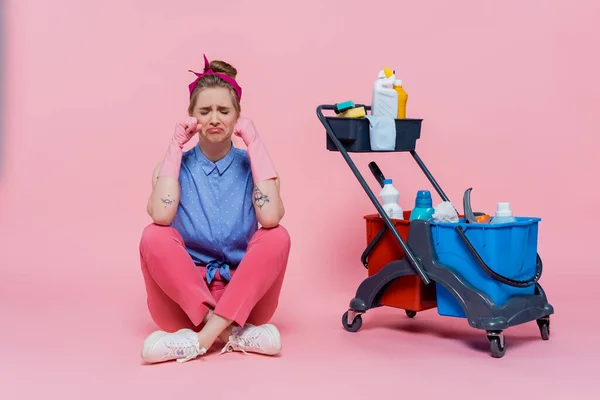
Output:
[[402, 99], [382, 132], [503, 214], [483, 218], [385, 98], [383, 72], [423, 206], [344, 106], [445, 212], [389, 196], [355, 112]]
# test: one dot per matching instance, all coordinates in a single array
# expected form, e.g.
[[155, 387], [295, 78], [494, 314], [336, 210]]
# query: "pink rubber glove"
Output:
[[184, 131], [260, 162]]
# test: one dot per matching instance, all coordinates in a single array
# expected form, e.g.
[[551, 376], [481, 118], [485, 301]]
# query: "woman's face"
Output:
[[216, 114]]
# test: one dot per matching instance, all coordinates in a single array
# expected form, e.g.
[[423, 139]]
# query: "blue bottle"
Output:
[[423, 207]]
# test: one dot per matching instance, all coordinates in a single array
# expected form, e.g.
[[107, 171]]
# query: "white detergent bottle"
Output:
[[389, 196], [385, 98], [503, 214]]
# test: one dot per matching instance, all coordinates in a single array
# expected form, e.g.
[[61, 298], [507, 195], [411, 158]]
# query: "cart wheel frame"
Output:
[[352, 321], [410, 313], [544, 325], [497, 343]]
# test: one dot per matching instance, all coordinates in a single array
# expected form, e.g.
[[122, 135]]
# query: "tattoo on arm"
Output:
[[167, 201], [260, 199]]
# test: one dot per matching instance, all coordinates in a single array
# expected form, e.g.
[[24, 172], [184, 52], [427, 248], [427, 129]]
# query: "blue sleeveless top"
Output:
[[215, 216]]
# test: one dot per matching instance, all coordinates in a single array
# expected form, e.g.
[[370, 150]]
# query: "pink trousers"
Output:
[[177, 292]]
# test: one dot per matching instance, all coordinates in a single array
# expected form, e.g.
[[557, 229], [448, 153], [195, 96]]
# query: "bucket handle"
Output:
[[495, 275], [376, 171], [371, 245]]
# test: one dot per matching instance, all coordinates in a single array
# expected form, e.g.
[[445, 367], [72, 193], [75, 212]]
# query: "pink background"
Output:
[[93, 91]]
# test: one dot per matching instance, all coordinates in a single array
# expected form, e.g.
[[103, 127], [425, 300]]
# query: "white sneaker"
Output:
[[182, 346], [263, 339]]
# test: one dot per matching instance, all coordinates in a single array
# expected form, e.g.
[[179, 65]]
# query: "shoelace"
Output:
[[239, 342], [190, 351]]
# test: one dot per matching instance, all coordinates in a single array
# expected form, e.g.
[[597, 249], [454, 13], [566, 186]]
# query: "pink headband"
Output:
[[208, 71]]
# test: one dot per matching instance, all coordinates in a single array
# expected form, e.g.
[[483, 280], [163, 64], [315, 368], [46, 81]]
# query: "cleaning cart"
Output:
[[461, 268]]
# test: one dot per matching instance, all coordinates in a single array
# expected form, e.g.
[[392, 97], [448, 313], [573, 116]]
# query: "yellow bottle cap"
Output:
[[388, 72]]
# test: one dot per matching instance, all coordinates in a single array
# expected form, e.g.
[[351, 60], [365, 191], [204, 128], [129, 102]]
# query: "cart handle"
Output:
[[495, 275]]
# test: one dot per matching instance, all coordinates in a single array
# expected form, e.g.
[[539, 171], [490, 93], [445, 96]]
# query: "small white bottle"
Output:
[[503, 214], [385, 97], [389, 196]]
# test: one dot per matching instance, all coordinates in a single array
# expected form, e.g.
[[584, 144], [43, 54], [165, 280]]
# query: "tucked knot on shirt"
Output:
[[217, 265]]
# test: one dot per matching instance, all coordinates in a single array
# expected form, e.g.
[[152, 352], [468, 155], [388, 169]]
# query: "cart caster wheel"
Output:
[[355, 325], [497, 344], [411, 314], [544, 325]]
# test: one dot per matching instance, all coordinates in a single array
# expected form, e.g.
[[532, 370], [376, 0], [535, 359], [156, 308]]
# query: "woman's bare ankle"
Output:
[[215, 327], [224, 336], [208, 315]]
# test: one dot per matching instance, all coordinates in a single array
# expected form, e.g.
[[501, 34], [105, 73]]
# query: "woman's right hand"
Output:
[[185, 130], [164, 199]]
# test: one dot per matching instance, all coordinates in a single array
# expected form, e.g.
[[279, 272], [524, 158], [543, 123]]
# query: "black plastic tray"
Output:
[[354, 134]]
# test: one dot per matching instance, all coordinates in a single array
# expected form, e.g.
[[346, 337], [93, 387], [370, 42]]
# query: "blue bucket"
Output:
[[508, 249]]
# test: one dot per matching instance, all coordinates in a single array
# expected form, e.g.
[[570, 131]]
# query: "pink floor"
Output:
[[75, 329]]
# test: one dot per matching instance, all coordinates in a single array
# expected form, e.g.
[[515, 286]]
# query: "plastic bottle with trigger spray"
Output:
[[385, 97], [389, 196]]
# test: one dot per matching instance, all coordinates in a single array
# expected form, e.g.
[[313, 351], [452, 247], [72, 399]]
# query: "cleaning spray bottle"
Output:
[[402, 98], [423, 208], [389, 196], [385, 98]]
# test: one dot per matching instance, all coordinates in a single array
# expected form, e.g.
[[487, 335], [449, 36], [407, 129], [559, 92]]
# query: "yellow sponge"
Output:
[[356, 112]]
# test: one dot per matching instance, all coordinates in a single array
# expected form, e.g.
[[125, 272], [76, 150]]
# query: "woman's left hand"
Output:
[[266, 198], [245, 129]]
